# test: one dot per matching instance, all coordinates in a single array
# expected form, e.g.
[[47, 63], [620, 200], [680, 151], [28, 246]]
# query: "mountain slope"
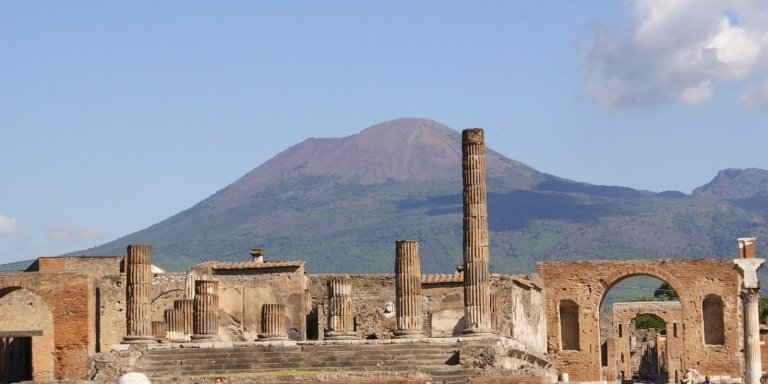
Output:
[[340, 204]]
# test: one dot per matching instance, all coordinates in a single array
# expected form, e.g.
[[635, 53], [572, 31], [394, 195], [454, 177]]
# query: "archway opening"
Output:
[[637, 315], [26, 336]]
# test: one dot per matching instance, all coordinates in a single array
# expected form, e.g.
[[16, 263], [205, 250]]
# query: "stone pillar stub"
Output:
[[138, 294], [747, 247], [408, 299], [273, 322], [186, 308], [174, 323], [477, 302], [341, 318], [206, 310]]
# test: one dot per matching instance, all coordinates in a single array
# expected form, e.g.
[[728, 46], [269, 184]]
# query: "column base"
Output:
[[204, 337], [272, 337], [408, 334], [139, 340], [478, 332], [340, 336]]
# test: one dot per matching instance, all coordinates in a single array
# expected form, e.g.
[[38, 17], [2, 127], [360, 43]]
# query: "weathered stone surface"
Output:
[[205, 322], [697, 282], [408, 289]]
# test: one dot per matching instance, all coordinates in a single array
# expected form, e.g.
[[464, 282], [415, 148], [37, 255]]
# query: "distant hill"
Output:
[[340, 204]]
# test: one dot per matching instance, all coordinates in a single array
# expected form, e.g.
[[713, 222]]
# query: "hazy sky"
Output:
[[115, 115]]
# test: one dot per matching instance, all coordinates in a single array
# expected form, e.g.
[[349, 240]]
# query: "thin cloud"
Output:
[[678, 51], [71, 233], [8, 226]]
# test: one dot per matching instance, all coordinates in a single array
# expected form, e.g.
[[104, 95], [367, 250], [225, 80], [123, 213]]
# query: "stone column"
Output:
[[747, 265], [477, 303], [186, 308], [174, 323], [341, 319], [408, 290], [273, 322], [205, 315], [159, 330], [138, 294]]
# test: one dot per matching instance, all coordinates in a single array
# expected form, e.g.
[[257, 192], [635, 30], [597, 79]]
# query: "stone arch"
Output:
[[586, 282], [614, 278], [26, 314]]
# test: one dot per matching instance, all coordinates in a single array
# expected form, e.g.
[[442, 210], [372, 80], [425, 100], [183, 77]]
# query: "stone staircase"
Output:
[[429, 359]]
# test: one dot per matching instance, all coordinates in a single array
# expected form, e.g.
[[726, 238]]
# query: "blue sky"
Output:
[[116, 115]]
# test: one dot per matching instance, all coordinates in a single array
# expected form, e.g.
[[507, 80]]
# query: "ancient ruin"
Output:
[[93, 318]]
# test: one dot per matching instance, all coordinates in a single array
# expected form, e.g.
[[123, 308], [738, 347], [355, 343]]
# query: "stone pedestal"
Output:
[[273, 322], [138, 294], [205, 322], [408, 299], [186, 308], [341, 318], [477, 311]]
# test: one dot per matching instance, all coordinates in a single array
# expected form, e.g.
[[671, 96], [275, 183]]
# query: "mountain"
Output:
[[736, 184], [340, 204]]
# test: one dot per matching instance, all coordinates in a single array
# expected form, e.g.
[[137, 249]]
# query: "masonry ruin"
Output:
[[93, 318]]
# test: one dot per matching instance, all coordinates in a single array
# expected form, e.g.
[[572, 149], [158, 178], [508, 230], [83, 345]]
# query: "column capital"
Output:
[[748, 270]]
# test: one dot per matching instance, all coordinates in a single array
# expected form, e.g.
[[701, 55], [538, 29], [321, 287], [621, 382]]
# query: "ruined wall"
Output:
[[69, 299], [243, 292], [96, 265], [585, 283], [442, 306]]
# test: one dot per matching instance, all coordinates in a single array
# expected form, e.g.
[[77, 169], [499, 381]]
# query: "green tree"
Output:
[[665, 292], [648, 321]]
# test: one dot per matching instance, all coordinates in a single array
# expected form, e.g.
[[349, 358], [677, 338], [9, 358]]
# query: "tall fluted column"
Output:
[[477, 303], [747, 264], [206, 310], [753, 367], [408, 290], [174, 323], [341, 318], [138, 294], [273, 322], [187, 309]]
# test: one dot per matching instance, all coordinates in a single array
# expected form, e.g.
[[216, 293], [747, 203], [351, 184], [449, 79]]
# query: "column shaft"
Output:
[[187, 309], [273, 322], [753, 365], [408, 289], [174, 322], [138, 294], [341, 319], [206, 310]]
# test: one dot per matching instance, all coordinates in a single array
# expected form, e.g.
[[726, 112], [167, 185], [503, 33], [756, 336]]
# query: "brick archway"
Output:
[[586, 283], [69, 299]]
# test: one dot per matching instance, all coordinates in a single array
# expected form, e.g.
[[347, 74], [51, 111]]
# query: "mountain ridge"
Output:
[[311, 202]]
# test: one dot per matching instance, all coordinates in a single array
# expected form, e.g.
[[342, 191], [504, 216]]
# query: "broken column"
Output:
[[477, 303], [159, 330], [187, 308], [747, 265], [205, 320], [174, 323], [273, 322], [138, 294], [341, 319], [408, 290]]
